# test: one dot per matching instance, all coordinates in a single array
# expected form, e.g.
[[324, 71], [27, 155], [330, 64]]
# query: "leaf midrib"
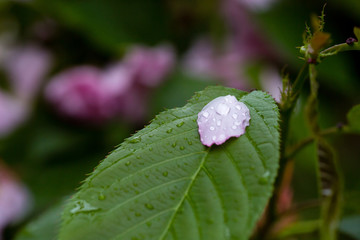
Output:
[[171, 220]]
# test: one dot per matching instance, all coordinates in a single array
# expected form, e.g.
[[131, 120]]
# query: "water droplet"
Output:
[[165, 174], [83, 206], [264, 179], [148, 224], [237, 123], [149, 206], [147, 175], [205, 114], [190, 142], [135, 184], [238, 107], [173, 145], [222, 109], [127, 163], [138, 157], [234, 127], [218, 123], [212, 128], [101, 196], [135, 140], [221, 137], [235, 115], [134, 238], [182, 147], [150, 149], [214, 138], [138, 214], [150, 135], [169, 130], [182, 123]]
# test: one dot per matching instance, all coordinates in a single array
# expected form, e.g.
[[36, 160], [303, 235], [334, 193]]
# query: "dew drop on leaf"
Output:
[[264, 179], [135, 140], [101, 196], [83, 206], [180, 124], [149, 206], [165, 174], [169, 130]]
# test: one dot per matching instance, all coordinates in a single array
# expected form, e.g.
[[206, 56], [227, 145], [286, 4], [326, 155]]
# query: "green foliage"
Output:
[[162, 183], [353, 117], [357, 32], [45, 226]]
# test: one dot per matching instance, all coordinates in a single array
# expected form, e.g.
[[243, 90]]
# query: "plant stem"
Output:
[[333, 50], [293, 150], [286, 109]]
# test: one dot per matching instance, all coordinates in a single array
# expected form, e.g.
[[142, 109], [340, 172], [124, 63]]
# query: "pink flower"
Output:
[[26, 67], [257, 5], [78, 94], [150, 65], [90, 94], [13, 112], [14, 199], [222, 118], [271, 82], [204, 60]]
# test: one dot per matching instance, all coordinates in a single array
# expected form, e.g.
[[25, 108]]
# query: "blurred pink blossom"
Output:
[[257, 5], [271, 82], [89, 94], [244, 34], [14, 199], [25, 67], [78, 93], [227, 61], [150, 65], [204, 60], [13, 112]]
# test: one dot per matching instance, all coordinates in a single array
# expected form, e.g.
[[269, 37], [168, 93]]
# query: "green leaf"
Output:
[[162, 183], [357, 32], [353, 117], [46, 226]]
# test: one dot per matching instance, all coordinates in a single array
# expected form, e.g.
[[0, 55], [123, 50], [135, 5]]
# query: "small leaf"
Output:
[[170, 186], [357, 33], [319, 41], [353, 117]]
